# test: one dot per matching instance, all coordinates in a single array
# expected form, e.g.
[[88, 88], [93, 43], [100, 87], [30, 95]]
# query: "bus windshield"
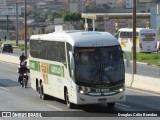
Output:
[[99, 66], [127, 34]]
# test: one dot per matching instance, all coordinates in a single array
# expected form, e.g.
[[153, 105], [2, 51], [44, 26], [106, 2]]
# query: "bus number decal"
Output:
[[102, 90]]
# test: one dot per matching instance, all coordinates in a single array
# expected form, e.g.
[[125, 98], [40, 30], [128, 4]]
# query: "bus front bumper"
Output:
[[89, 99]]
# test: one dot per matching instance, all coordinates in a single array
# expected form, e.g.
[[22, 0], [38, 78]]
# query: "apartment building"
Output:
[[129, 4], [65, 4], [142, 5], [112, 3], [8, 8], [155, 15], [77, 5]]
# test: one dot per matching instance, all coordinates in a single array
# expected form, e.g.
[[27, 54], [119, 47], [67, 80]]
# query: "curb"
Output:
[[144, 83]]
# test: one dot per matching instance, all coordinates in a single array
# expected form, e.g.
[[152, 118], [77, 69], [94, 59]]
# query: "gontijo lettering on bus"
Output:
[[47, 68]]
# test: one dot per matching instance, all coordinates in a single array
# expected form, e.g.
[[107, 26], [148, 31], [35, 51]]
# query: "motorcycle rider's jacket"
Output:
[[23, 68]]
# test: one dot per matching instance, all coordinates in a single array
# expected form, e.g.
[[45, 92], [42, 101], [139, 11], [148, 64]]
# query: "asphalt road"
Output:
[[15, 98], [145, 70]]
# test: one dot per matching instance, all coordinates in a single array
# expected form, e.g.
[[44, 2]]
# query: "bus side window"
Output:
[[69, 48], [62, 55]]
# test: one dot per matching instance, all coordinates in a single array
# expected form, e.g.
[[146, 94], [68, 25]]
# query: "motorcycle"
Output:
[[24, 80]]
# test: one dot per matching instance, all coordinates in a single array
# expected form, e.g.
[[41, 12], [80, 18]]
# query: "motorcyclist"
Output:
[[21, 70], [22, 58]]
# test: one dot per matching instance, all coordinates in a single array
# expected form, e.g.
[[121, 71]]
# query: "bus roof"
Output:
[[80, 38], [130, 29]]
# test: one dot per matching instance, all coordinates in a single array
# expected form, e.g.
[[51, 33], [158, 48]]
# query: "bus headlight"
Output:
[[84, 90], [81, 91], [120, 90]]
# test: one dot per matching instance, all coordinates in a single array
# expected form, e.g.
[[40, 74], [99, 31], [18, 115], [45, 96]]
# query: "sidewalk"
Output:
[[9, 58], [143, 82], [140, 82]]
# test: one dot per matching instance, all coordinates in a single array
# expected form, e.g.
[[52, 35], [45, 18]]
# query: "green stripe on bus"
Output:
[[56, 70], [53, 69], [34, 65]]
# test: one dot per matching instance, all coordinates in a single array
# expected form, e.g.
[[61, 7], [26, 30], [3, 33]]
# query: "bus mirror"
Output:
[[127, 58], [71, 60], [116, 35]]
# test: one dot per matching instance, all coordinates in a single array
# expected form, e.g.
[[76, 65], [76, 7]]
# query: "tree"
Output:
[[97, 8], [57, 14], [71, 17]]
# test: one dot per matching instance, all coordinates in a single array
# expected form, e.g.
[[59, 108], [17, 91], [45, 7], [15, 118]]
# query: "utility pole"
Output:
[[7, 23], [157, 15], [25, 31], [17, 35], [134, 41]]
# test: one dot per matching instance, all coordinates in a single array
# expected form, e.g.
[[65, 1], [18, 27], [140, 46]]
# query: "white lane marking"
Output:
[[54, 107], [123, 105], [143, 91], [4, 88]]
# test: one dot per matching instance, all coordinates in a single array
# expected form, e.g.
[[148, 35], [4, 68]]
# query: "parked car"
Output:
[[6, 47]]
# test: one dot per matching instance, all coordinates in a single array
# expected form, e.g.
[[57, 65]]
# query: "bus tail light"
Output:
[[140, 45]]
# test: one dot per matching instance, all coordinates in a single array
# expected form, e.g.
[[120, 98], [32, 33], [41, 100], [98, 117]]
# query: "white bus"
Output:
[[146, 39], [79, 67]]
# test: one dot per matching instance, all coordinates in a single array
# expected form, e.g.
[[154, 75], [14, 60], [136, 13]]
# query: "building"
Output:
[[123, 5], [112, 3], [155, 15], [77, 5], [129, 4], [143, 5]]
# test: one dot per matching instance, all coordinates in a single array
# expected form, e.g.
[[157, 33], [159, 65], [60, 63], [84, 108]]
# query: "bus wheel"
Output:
[[37, 86], [39, 89], [42, 95], [69, 104], [111, 105]]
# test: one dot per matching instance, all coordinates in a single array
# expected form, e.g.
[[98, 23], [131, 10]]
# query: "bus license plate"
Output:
[[102, 100]]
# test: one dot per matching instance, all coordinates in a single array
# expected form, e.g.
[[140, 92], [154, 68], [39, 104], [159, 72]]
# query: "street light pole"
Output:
[[7, 23], [134, 41], [17, 35], [25, 31]]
